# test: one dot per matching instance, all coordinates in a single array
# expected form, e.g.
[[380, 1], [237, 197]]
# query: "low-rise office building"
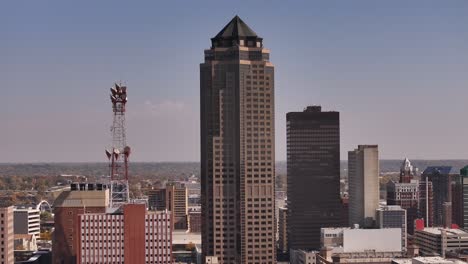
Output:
[[361, 240], [27, 221]]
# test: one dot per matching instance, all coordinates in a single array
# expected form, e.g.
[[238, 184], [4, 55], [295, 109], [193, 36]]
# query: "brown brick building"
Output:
[[237, 147], [67, 207], [6, 234], [173, 198], [128, 235]]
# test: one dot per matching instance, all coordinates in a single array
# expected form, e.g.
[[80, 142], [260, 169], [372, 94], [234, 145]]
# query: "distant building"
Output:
[[436, 241], [407, 172], [26, 242], [441, 178], [194, 219], [33, 257], [361, 240], [6, 235], [370, 257], [464, 182], [393, 217], [177, 204], [282, 230], [81, 198], [345, 211], [129, 235], [186, 247], [194, 199], [27, 221], [363, 177], [426, 202], [157, 199], [457, 200], [427, 260], [313, 169], [299, 256], [406, 195], [173, 198]]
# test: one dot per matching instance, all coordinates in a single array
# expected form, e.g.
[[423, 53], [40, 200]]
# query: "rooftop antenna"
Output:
[[118, 154]]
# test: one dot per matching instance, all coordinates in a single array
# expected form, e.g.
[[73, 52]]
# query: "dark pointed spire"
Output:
[[235, 31], [236, 28]]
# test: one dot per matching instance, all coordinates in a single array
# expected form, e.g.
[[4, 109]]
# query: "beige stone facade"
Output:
[[237, 148]]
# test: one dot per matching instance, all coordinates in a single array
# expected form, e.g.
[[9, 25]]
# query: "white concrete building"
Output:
[[27, 221], [346, 240], [393, 216]]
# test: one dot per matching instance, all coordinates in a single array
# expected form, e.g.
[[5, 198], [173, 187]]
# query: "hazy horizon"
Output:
[[396, 71]]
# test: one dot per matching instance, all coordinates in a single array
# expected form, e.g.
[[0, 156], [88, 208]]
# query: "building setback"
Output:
[[313, 168], [363, 178], [237, 147], [6, 235], [130, 235]]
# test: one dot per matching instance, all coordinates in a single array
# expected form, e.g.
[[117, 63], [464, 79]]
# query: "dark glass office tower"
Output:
[[237, 147], [313, 165], [441, 178]]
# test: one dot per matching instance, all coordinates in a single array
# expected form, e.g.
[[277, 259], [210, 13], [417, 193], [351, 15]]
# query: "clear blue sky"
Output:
[[396, 70]]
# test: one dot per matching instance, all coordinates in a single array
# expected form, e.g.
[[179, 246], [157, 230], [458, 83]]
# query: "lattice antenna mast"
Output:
[[119, 154]]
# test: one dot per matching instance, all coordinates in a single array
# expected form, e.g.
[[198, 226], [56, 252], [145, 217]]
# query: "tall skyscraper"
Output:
[[464, 182], [441, 178], [237, 147], [363, 177], [313, 166]]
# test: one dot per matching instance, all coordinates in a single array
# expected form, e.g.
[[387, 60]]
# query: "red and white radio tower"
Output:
[[119, 153]]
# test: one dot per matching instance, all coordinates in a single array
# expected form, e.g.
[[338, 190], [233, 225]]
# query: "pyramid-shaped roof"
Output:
[[236, 28]]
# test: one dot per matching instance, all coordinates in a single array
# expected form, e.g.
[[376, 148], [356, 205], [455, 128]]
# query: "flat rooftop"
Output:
[[438, 231], [436, 260], [183, 237]]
